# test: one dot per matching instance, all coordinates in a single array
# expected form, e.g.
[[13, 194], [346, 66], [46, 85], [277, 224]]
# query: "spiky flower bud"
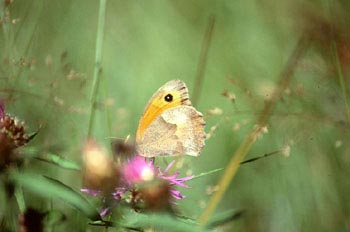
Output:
[[12, 136], [12, 132]]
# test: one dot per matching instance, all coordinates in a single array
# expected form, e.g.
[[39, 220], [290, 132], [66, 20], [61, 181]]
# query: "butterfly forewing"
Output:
[[158, 104], [170, 125]]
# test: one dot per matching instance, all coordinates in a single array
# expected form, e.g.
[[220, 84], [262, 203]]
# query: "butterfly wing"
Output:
[[178, 130], [157, 104]]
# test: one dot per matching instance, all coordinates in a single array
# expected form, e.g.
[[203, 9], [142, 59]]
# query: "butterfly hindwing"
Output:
[[179, 130]]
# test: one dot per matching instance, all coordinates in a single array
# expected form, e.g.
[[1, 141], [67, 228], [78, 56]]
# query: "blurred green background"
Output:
[[47, 54]]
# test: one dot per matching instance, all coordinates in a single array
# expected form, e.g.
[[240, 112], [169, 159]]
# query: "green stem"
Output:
[[26, 50], [227, 177], [7, 40], [20, 198], [341, 81], [97, 68], [202, 62], [245, 146], [107, 111]]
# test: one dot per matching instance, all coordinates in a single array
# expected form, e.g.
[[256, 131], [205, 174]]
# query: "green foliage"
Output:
[[159, 222], [225, 217], [50, 188]]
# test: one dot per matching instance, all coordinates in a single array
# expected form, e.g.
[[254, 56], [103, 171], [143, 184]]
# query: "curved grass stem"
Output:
[[341, 81], [97, 68], [262, 120], [202, 61], [107, 111]]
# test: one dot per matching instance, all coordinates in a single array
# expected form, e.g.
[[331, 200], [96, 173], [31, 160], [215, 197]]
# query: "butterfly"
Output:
[[170, 125]]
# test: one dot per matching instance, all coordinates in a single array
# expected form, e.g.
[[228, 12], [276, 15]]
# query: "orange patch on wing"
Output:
[[156, 107]]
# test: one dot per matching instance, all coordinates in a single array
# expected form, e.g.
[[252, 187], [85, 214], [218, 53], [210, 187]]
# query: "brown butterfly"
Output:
[[170, 125]]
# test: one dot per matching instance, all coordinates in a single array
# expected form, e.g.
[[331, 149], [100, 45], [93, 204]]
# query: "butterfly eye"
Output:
[[168, 98]]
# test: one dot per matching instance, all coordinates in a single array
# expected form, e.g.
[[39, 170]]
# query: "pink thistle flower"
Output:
[[106, 208], [173, 180], [138, 169]]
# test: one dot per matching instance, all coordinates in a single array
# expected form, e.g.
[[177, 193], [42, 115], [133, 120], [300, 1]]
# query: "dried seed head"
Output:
[[12, 136], [12, 132], [152, 196], [100, 172]]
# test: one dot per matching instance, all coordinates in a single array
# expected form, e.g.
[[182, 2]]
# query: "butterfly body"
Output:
[[170, 125]]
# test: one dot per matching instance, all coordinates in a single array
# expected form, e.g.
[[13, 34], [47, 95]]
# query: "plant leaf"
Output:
[[32, 152], [51, 188], [159, 222], [225, 217], [59, 161], [54, 217]]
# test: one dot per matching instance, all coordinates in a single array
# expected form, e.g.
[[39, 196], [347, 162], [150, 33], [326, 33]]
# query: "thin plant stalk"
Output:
[[7, 35], [107, 111], [26, 51], [333, 46], [11, 40], [245, 146], [202, 62], [97, 68], [341, 81], [263, 156], [20, 199]]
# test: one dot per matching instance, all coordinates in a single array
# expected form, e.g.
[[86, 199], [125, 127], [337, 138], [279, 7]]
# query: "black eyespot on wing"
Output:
[[168, 97]]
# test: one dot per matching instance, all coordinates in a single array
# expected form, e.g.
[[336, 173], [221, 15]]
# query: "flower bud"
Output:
[[100, 172], [156, 195], [12, 136]]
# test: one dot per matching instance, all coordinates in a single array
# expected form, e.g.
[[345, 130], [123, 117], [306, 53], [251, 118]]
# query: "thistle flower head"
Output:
[[139, 170], [12, 136], [12, 132], [144, 186], [173, 180]]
